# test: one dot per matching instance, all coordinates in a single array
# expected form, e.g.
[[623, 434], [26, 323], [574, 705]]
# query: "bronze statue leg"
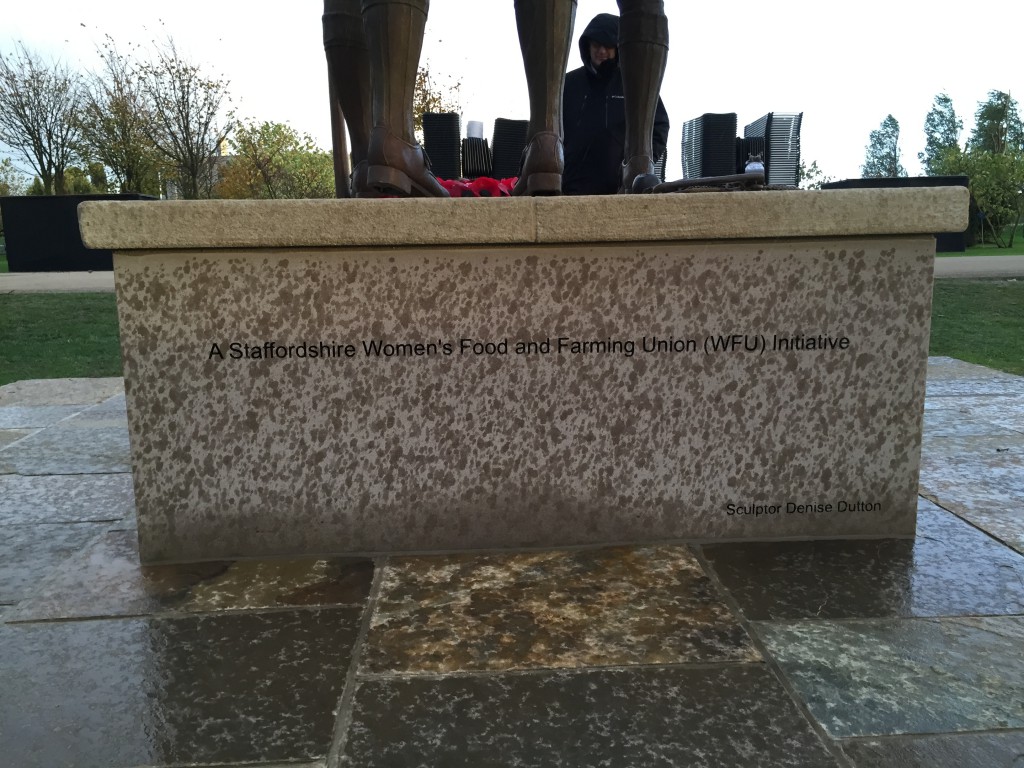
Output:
[[396, 164], [545, 28], [348, 76], [643, 51]]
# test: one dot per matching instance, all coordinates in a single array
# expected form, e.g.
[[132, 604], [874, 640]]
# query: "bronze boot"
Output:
[[396, 164], [545, 27], [643, 51], [348, 78]]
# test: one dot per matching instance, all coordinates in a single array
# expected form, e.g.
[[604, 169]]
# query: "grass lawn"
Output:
[[58, 335], [980, 321], [62, 335]]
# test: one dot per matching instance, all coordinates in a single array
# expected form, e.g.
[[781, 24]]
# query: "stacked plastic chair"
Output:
[[709, 145], [507, 147], [442, 137], [781, 134], [476, 158]]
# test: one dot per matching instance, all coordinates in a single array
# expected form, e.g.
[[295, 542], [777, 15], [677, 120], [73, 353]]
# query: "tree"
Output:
[[942, 130], [997, 187], [38, 103], [997, 125], [272, 160], [428, 97], [883, 151], [114, 122], [12, 181], [811, 177], [185, 106]]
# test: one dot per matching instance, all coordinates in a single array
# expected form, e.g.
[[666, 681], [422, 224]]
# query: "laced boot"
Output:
[[643, 51], [397, 167], [396, 164], [545, 27]]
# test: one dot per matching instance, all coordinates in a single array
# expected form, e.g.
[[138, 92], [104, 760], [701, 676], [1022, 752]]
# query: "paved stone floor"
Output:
[[836, 653]]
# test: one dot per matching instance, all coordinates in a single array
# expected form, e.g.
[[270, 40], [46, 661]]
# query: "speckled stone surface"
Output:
[[214, 689], [65, 498], [950, 569], [247, 457], [105, 579], [253, 680], [966, 750], [675, 716], [586, 608], [883, 677], [614, 218]]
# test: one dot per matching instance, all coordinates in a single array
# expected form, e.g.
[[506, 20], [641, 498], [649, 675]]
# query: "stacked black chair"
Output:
[[442, 136], [709, 145], [476, 158], [659, 167], [781, 134], [507, 147]]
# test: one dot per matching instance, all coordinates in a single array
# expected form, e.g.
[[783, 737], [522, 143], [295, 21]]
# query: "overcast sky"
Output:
[[844, 65]]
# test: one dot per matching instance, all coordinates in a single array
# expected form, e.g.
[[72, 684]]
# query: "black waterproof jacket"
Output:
[[594, 118]]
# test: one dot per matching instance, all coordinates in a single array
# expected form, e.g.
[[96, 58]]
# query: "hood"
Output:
[[603, 29]]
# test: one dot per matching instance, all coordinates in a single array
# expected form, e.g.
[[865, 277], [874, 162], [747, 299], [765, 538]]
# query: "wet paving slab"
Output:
[[948, 377], [603, 657], [725, 715], [69, 451], [56, 392], [988, 494], [105, 579], [29, 499], [35, 416], [966, 750], [950, 368], [960, 423], [236, 688], [29, 553], [949, 569], [596, 607], [901, 676], [1006, 413], [8, 436]]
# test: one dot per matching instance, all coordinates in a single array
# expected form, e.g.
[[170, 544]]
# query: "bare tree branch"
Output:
[[38, 106]]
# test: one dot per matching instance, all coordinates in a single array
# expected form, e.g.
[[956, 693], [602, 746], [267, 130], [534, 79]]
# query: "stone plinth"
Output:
[[362, 376]]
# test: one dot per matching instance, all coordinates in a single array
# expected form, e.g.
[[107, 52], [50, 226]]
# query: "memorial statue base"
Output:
[[359, 376]]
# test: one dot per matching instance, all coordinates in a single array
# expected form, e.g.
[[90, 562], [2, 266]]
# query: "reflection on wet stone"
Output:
[[65, 498], [30, 553], [58, 451], [728, 715], [8, 436], [883, 677], [950, 569], [613, 606], [964, 750], [105, 579], [243, 687]]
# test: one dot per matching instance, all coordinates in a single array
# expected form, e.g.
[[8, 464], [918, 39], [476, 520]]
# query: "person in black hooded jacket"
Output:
[[594, 117]]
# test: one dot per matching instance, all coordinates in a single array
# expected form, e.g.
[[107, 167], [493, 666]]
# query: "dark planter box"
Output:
[[42, 234], [945, 242]]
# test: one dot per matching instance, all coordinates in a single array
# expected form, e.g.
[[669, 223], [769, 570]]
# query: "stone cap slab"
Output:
[[192, 224]]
